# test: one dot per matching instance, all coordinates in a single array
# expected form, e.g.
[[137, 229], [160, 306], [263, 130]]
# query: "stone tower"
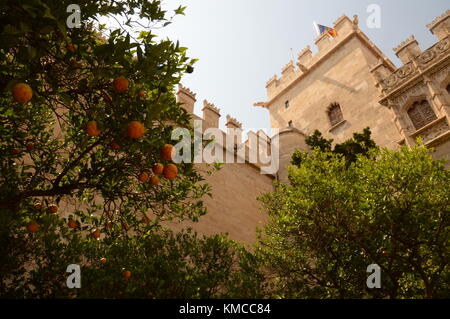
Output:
[[349, 84]]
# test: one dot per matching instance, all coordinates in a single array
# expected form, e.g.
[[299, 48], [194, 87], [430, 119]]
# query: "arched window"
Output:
[[335, 114], [421, 114]]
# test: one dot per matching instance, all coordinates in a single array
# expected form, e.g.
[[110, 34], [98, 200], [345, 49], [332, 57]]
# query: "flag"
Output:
[[324, 29]]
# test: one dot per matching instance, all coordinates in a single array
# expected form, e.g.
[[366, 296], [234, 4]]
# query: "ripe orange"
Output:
[[38, 206], [33, 227], [384, 252], [72, 224], [103, 260], [114, 145], [96, 234], [170, 171], [143, 177], [92, 128], [126, 274], [22, 92], [30, 146], [158, 168], [71, 47], [154, 180], [135, 129], [167, 152], [141, 93], [52, 209], [120, 84]]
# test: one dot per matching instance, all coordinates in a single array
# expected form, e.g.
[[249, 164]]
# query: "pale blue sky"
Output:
[[240, 44]]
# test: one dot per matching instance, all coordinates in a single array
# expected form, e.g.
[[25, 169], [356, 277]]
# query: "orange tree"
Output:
[[341, 214], [84, 115]]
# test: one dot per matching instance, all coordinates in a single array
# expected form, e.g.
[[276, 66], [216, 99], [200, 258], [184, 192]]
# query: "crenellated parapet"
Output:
[[288, 70], [186, 97], [304, 57], [417, 63], [211, 115], [345, 28], [233, 123], [440, 26], [407, 50]]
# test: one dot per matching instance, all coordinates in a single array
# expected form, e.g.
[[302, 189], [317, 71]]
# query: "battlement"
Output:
[[210, 106], [324, 43], [186, 97], [211, 115], [440, 25], [407, 50], [415, 61], [232, 122]]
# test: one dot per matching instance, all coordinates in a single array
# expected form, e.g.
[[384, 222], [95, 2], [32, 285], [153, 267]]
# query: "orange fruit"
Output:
[[52, 209], [135, 129], [71, 47], [103, 260], [141, 93], [33, 227], [170, 171], [167, 152], [38, 206], [143, 177], [30, 146], [96, 234], [72, 224], [154, 180], [384, 252], [92, 128], [126, 274], [120, 84], [22, 92], [114, 145], [158, 168]]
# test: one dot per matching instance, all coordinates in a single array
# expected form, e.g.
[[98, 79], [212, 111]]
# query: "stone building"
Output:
[[349, 84]]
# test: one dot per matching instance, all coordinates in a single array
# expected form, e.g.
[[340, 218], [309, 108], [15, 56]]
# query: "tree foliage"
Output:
[[70, 168], [390, 208], [46, 153], [361, 143], [162, 264]]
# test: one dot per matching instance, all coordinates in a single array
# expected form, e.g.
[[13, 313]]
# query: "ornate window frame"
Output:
[[340, 117], [410, 103]]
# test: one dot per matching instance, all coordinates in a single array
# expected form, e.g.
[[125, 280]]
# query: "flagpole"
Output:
[[316, 28]]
